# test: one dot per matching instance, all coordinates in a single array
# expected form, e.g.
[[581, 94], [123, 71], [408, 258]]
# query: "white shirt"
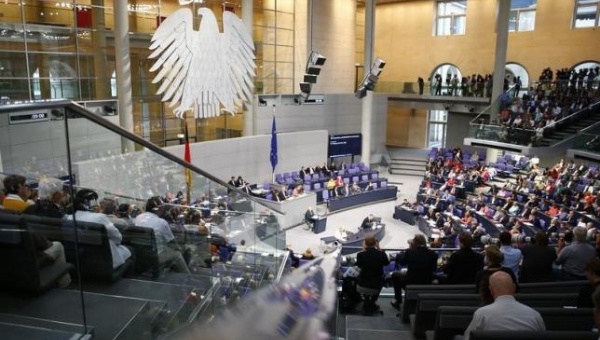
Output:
[[162, 231], [119, 253], [505, 314]]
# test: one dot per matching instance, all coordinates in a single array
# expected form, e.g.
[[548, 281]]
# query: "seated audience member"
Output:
[[163, 234], [463, 264], [505, 313], [369, 187], [124, 212], [297, 191], [85, 204], [310, 217], [308, 255], [592, 271], [246, 188], [109, 208], [368, 222], [51, 200], [370, 280], [355, 189], [575, 256], [294, 260], [493, 259], [512, 255], [331, 187], [420, 262], [16, 193], [339, 186], [232, 181], [538, 259]]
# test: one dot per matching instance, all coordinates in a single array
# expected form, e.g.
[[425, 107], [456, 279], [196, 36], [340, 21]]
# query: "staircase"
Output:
[[381, 327], [408, 167], [568, 130]]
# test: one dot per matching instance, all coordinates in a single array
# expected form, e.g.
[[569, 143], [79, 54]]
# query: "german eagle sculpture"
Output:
[[205, 71]]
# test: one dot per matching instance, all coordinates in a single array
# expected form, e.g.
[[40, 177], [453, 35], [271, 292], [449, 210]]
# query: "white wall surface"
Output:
[[249, 157]]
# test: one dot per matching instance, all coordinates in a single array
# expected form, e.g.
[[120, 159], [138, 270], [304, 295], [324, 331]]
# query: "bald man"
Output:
[[505, 313]]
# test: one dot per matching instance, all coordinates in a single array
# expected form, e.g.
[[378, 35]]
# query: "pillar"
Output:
[[247, 18], [123, 65], [491, 155], [501, 46], [367, 102], [101, 71]]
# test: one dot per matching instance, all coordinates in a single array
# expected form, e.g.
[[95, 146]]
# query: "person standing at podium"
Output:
[[310, 217], [368, 222]]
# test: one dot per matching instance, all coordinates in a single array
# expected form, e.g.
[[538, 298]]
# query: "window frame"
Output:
[[518, 11], [453, 19], [578, 5]]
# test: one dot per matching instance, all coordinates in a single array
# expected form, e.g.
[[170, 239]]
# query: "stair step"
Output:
[[378, 323], [367, 334], [404, 173], [407, 167], [409, 160]]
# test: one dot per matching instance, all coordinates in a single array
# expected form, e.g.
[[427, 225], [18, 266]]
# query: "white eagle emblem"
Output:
[[205, 71]]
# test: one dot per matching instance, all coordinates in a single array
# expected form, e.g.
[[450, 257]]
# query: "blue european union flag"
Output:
[[273, 145]]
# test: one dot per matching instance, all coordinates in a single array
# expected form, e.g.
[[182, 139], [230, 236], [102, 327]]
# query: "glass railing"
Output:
[[149, 241], [428, 88], [484, 126]]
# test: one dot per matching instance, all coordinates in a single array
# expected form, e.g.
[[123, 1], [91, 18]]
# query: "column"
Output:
[[367, 102], [501, 46], [247, 18], [123, 68], [491, 155], [101, 71]]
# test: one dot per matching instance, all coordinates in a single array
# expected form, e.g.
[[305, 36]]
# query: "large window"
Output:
[[436, 132], [522, 15], [587, 13], [451, 17]]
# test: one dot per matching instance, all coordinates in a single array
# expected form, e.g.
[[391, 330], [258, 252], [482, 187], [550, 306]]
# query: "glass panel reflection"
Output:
[[154, 245]]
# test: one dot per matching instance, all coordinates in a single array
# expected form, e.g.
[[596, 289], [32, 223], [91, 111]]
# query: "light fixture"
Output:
[[371, 78], [312, 70], [310, 78]]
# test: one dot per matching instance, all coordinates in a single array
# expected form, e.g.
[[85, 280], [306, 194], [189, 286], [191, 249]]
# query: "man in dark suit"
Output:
[[367, 223], [370, 280], [309, 218], [463, 264], [538, 259], [420, 263]]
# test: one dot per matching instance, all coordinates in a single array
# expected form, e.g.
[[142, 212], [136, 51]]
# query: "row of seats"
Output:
[[92, 244], [454, 320], [427, 306], [412, 291]]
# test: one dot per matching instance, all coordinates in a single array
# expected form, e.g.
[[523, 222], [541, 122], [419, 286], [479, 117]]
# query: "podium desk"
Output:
[[320, 224], [353, 242], [406, 215]]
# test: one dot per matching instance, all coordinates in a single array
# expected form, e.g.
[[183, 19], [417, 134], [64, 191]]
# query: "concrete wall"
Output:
[[340, 113], [250, 156], [457, 129]]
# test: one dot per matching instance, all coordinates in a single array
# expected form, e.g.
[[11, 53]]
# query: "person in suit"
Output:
[[420, 262], [370, 280], [247, 188], [538, 259], [309, 218], [239, 181], [463, 264], [368, 222], [232, 181]]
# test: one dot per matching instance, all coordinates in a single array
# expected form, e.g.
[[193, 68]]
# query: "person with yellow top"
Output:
[[17, 193]]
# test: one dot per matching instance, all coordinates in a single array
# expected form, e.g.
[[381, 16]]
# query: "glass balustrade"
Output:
[[150, 242]]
